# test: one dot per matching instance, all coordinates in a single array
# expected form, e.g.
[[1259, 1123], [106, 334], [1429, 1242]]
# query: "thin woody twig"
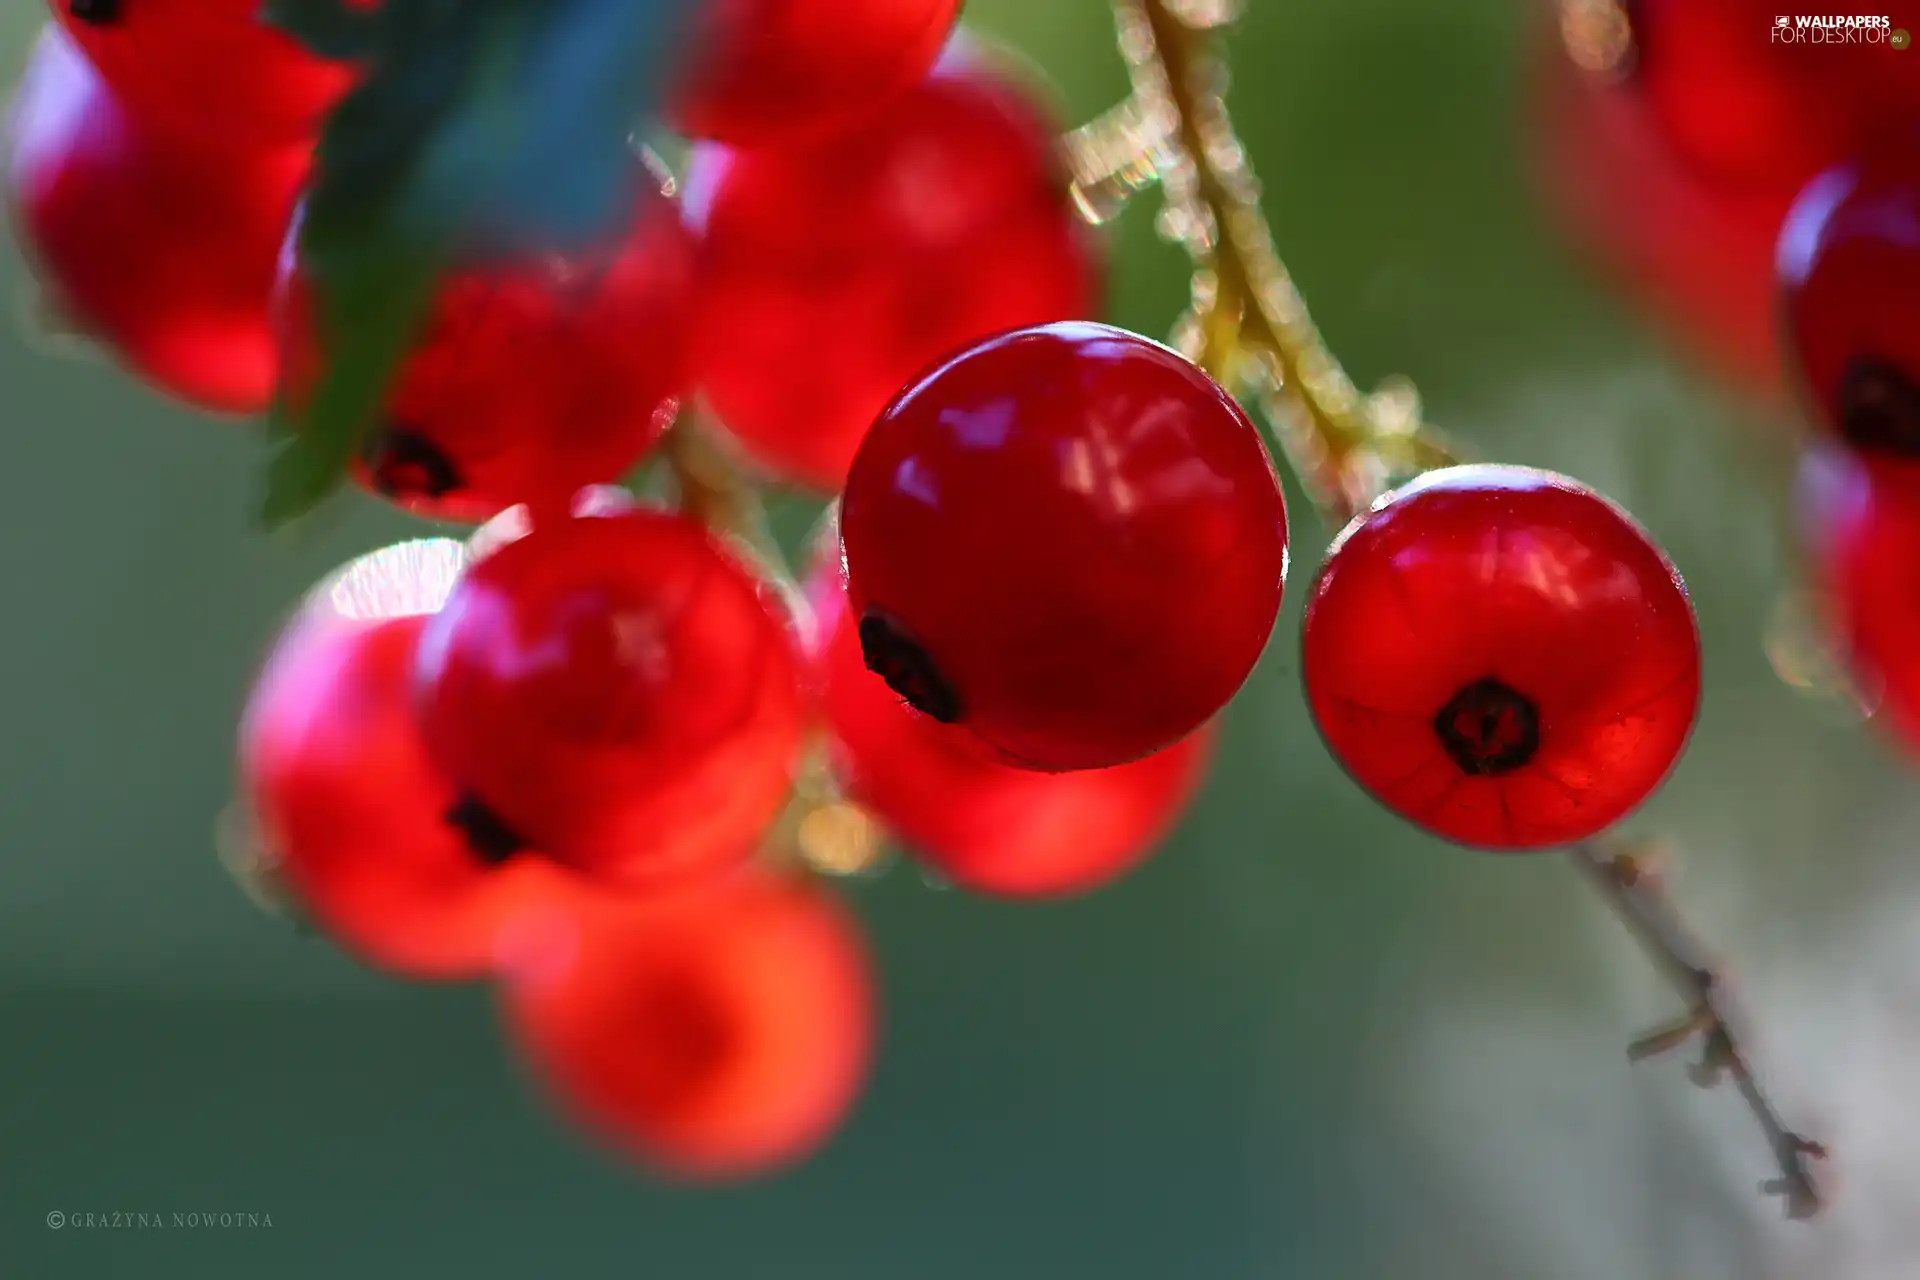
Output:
[[1714, 1019], [1250, 328]]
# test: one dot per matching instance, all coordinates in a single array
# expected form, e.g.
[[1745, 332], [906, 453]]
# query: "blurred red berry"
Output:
[[833, 274], [165, 253], [529, 379], [1849, 267], [357, 822], [1697, 252], [1501, 656], [1068, 540], [208, 72], [765, 70], [1863, 522], [620, 692], [1745, 103], [713, 1035], [980, 823]]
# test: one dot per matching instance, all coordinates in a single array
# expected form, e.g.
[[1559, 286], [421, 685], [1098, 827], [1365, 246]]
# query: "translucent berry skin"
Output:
[[762, 71], [165, 253], [1849, 269], [209, 73], [1696, 252], [942, 221], [1502, 657], [529, 379], [1862, 517], [619, 692], [982, 824], [1067, 540], [712, 1036], [356, 819]]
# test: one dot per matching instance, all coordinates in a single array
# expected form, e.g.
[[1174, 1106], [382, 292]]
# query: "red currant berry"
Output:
[[370, 838], [1745, 101], [1729, 97], [767, 69], [1501, 656], [208, 72], [167, 254], [940, 223], [1069, 541], [1863, 517], [1697, 252], [529, 380], [980, 823], [620, 692], [1850, 274], [712, 1036]]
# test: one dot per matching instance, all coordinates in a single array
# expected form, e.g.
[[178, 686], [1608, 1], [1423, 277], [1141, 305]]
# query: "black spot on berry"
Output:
[[1489, 728], [405, 464], [1880, 409], [491, 840], [898, 659]]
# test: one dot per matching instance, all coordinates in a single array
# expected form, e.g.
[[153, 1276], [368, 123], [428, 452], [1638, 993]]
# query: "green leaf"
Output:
[[481, 126]]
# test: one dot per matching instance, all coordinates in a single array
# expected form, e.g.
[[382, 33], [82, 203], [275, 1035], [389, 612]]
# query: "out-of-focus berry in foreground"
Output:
[[718, 1033], [161, 248], [530, 378], [619, 692], [762, 72], [352, 817], [832, 274]]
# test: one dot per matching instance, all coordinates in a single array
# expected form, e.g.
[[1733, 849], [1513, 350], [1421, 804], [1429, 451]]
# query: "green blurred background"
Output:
[[1305, 1041]]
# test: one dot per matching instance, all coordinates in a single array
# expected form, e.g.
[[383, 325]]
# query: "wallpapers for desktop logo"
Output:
[[1806, 28]]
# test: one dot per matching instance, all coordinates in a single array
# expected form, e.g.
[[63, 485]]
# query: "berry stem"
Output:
[[1250, 329], [1715, 1021], [1249, 326], [711, 489]]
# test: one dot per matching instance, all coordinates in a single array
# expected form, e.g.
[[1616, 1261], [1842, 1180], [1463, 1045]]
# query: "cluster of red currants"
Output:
[[1761, 177], [565, 754]]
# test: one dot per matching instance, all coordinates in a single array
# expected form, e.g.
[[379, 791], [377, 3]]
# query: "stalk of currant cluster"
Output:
[[1249, 327]]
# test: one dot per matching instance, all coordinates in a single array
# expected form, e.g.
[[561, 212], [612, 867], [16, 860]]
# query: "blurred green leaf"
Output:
[[481, 127]]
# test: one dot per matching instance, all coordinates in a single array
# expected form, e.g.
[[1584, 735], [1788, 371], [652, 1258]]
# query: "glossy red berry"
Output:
[[208, 72], [762, 70], [1863, 518], [1501, 656], [712, 1036], [980, 823], [371, 838], [529, 380], [620, 692], [1697, 252], [1850, 276], [833, 274], [1068, 540], [165, 253]]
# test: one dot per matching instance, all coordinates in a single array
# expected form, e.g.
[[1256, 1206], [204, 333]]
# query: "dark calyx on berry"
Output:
[[405, 464], [491, 840], [896, 658], [1489, 728], [1880, 409], [94, 12]]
